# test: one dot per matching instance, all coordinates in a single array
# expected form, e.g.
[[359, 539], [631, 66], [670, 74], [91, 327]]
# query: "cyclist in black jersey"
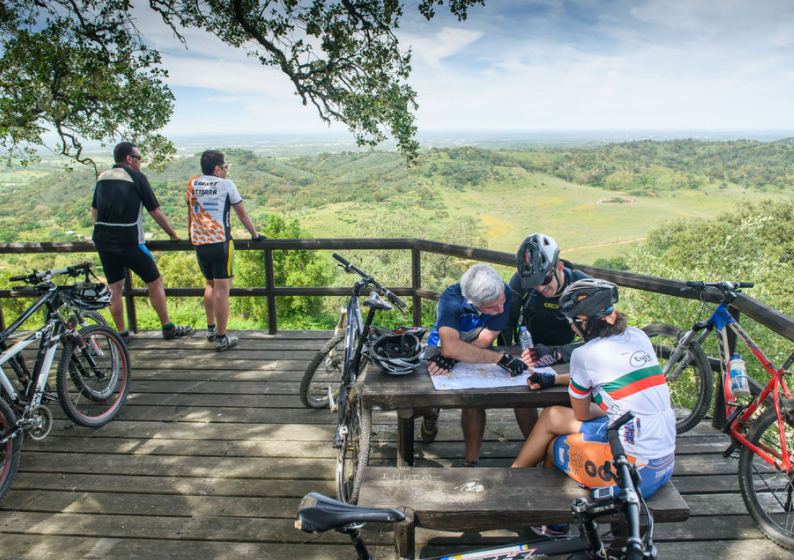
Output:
[[537, 285], [120, 196]]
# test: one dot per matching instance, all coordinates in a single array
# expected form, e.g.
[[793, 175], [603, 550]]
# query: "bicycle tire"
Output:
[[90, 317], [691, 392], [353, 455], [764, 489], [94, 316], [317, 379], [92, 396], [9, 451]]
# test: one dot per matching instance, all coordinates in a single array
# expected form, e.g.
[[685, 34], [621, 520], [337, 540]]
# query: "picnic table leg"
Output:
[[405, 537], [405, 437]]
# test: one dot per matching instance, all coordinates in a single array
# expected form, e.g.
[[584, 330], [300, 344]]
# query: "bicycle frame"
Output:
[[355, 326], [49, 335], [737, 414]]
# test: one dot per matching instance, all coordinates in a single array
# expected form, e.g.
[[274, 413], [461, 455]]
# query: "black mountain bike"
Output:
[[318, 513], [332, 380], [92, 377]]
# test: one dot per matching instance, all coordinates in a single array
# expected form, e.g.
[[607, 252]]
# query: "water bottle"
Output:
[[740, 387], [525, 339]]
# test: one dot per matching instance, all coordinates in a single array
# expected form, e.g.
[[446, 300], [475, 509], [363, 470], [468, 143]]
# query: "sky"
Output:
[[522, 65]]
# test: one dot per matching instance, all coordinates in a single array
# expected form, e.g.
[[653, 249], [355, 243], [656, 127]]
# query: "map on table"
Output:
[[480, 376]]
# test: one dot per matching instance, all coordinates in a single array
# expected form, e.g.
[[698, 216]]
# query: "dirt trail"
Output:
[[603, 245]]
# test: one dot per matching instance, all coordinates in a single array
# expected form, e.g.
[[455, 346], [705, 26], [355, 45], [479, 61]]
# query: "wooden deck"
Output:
[[213, 452]]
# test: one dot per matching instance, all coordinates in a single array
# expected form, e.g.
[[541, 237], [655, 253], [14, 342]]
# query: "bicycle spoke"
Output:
[[767, 490]]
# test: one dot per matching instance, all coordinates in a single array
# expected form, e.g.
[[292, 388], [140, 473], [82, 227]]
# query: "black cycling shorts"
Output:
[[216, 260], [138, 259]]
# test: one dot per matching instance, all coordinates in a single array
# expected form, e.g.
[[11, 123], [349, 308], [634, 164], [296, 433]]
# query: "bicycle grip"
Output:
[[746, 284], [700, 285], [22, 278], [341, 259], [395, 300]]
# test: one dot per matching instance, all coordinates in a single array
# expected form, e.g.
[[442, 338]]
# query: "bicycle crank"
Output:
[[37, 423]]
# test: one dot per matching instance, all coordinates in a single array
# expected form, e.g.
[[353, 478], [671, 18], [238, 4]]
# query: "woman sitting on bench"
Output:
[[615, 371]]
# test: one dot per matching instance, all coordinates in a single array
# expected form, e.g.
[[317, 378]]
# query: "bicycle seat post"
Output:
[[358, 542]]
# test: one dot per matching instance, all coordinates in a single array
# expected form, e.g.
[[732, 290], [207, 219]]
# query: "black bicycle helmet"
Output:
[[591, 297], [89, 296], [536, 257], [397, 354]]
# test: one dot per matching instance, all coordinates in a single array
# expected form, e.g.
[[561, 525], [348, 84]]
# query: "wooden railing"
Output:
[[771, 318]]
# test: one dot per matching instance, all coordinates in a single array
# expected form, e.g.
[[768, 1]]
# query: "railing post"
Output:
[[2, 317], [270, 283], [416, 284], [132, 316]]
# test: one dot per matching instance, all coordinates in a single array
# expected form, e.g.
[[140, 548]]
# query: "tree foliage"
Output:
[[81, 67], [291, 268], [752, 244]]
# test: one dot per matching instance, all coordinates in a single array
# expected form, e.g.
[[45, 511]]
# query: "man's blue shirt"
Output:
[[456, 312]]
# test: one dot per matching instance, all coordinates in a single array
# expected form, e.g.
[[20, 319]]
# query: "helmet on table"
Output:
[[397, 354]]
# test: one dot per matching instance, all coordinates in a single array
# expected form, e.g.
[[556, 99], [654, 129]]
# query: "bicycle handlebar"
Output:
[[351, 268], [37, 277]]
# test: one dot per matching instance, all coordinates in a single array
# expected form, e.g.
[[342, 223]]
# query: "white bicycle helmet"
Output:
[[590, 297], [89, 296], [537, 256], [397, 354]]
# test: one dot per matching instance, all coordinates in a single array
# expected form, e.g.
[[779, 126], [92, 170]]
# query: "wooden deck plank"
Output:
[[213, 452]]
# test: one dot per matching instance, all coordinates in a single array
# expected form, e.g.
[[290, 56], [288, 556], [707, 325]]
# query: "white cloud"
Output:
[[447, 42], [622, 64]]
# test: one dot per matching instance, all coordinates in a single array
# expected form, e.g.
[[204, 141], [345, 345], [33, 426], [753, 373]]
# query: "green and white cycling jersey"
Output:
[[621, 373]]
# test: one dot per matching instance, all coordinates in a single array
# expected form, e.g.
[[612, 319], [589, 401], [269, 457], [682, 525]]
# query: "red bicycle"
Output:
[[764, 436]]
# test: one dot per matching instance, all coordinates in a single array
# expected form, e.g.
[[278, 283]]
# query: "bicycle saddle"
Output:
[[318, 513], [376, 302]]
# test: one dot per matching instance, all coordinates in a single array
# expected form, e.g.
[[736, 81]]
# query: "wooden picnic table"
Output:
[[403, 393]]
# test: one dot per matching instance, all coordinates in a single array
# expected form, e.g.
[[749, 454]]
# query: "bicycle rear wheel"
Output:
[[9, 449], [766, 490], [353, 455], [693, 385], [93, 382], [324, 372]]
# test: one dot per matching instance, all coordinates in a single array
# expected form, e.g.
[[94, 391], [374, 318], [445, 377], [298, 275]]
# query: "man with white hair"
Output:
[[470, 317]]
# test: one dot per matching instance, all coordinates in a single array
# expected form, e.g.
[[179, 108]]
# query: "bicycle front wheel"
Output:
[[9, 449], [90, 317], [767, 490], [353, 455], [93, 382], [689, 380], [324, 373]]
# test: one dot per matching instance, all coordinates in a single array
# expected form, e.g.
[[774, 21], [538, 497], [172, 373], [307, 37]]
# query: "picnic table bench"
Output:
[[473, 499]]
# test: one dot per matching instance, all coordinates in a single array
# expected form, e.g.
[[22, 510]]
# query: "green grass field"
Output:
[[523, 202]]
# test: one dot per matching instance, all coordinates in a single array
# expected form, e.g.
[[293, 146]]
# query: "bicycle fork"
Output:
[[679, 357]]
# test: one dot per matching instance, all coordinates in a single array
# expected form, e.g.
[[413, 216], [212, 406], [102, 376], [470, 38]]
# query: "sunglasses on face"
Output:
[[136, 156], [547, 280], [225, 166]]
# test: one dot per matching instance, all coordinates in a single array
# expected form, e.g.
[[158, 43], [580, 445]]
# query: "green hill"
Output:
[[598, 202]]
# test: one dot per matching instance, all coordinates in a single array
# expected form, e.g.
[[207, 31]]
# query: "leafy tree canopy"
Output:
[[82, 69]]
